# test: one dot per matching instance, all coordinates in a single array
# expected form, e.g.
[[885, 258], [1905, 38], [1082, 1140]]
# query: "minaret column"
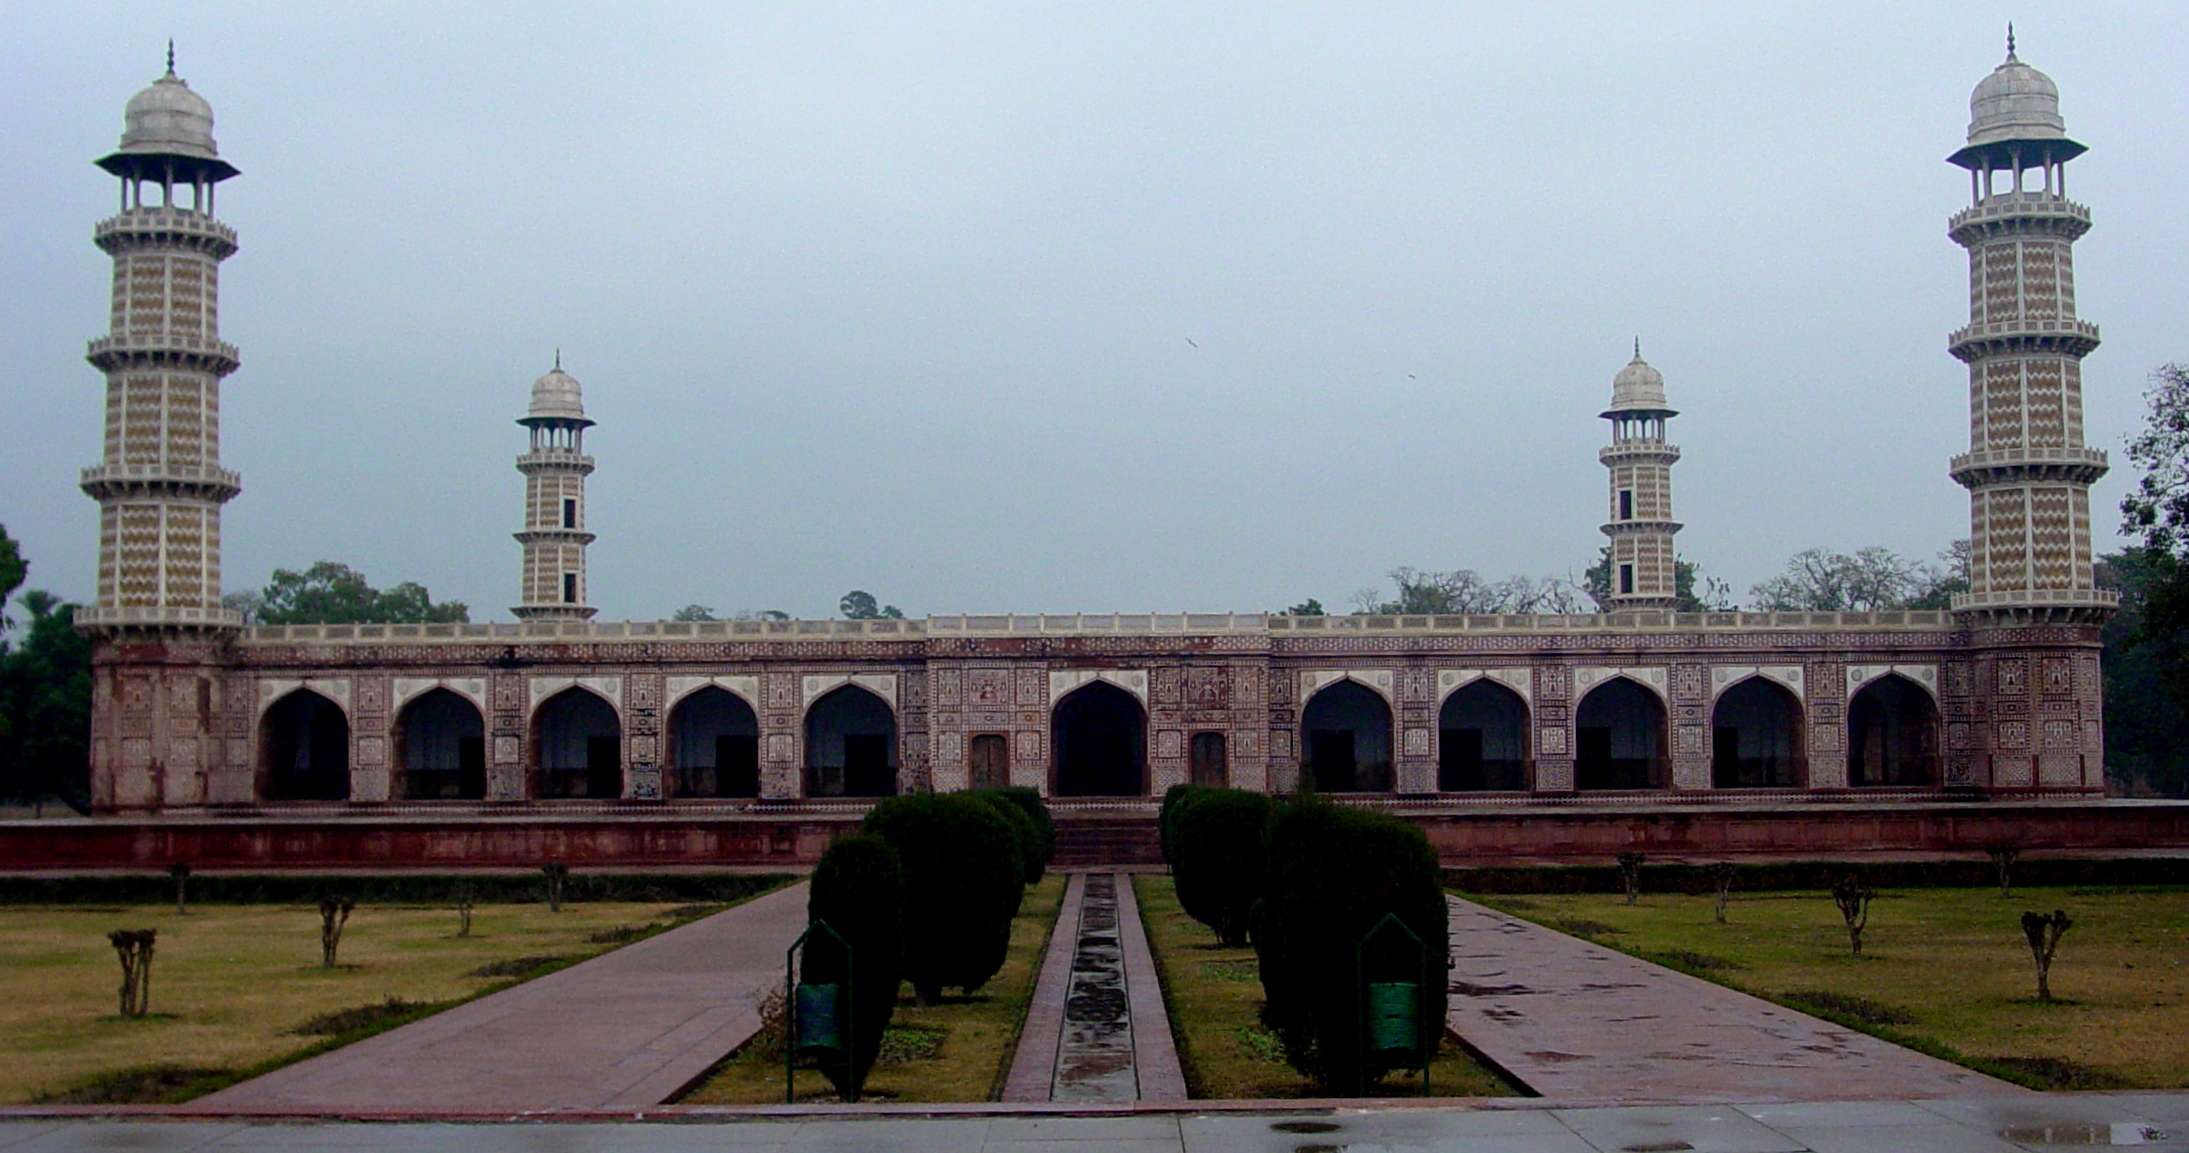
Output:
[[554, 536], [1643, 569]]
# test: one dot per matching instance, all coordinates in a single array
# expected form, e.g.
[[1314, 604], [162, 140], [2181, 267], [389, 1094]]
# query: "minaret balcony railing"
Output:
[[152, 224], [102, 481], [1639, 452], [2009, 204], [2021, 465], [2044, 598], [156, 616], [554, 458], [2066, 337], [1641, 527], [108, 353]]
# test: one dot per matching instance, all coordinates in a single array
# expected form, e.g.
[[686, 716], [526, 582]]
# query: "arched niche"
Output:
[[304, 743], [440, 749], [851, 745], [1892, 734], [1100, 738], [1345, 730], [1756, 737], [577, 747], [1619, 738], [714, 745], [1482, 740]]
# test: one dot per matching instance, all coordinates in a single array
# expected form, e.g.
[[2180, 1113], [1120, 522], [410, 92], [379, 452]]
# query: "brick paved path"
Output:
[[626, 1029], [1575, 1021]]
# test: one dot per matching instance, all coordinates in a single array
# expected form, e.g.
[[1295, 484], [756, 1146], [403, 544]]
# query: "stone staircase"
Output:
[[1119, 839]]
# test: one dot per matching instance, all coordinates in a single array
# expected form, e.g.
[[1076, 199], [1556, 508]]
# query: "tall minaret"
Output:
[[1641, 525], [159, 482], [2027, 470], [554, 535]]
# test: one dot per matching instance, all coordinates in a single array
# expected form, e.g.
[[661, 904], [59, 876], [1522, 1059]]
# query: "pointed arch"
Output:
[[1620, 737], [1756, 737], [851, 743], [577, 747], [1892, 734], [714, 745], [1345, 730], [304, 749], [1482, 739], [1099, 736], [440, 748]]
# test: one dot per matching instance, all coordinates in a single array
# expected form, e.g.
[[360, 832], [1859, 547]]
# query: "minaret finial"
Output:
[[1637, 348], [558, 358], [170, 56], [2010, 39]]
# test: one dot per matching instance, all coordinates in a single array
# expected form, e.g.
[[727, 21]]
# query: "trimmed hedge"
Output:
[[381, 889], [1334, 872], [858, 888], [1173, 798], [963, 881], [1217, 849], [1023, 833], [1037, 810], [2043, 872]]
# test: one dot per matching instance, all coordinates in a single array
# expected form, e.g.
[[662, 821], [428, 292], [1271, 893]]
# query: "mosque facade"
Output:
[[1640, 705]]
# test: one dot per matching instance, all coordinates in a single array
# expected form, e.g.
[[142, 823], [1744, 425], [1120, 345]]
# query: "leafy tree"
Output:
[[760, 615], [860, 605], [13, 568], [2144, 714], [45, 706], [693, 613], [331, 593], [1696, 592], [1871, 580], [249, 603], [2158, 510], [1307, 608], [1422, 592]]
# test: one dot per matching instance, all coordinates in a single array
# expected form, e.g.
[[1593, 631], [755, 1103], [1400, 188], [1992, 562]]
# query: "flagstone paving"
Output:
[[628, 1028], [1576, 1021]]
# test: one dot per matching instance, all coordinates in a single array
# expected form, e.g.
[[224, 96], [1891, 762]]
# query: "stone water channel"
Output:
[[1097, 1030], [1094, 1060]]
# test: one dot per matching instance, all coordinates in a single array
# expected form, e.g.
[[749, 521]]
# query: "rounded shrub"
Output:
[[1173, 798], [1332, 873], [1217, 856], [1023, 833], [1037, 810], [858, 890], [963, 879]]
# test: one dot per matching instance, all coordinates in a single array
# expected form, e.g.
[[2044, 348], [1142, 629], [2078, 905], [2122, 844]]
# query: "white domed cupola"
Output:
[[2014, 120], [167, 135]]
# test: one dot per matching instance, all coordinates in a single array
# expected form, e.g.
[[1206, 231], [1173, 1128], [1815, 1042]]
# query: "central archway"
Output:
[[714, 744], [1892, 734], [1482, 740], [1100, 736], [1346, 732], [851, 745], [1619, 735], [440, 749], [305, 743], [577, 745], [1755, 738]]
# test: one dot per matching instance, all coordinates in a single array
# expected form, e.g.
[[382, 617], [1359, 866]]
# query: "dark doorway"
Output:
[[991, 761], [1347, 730], [1619, 738], [1101, 743], [306, 743], [1892, 734], [851, 745], [577, 744], [715, 742], [1482, 740], [1756, 738], [440, 749], [1208, 762]]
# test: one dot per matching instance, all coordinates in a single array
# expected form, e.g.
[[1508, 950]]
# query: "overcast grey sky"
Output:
[[1071, 307]]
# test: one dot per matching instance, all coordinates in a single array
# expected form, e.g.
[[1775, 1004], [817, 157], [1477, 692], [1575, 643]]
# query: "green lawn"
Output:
[[231, 985], [1215, 997], [958, 1050], [1940, 967]]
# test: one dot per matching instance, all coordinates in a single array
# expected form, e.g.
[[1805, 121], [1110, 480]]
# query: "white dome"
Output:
[[168, 119], [2015, 102], [556, 397], [1638, 388]]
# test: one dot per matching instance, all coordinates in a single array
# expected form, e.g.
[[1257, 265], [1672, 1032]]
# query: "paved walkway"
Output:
[[1578, 1022], [1096, 1028], [623, 1030], [2032, 1122]]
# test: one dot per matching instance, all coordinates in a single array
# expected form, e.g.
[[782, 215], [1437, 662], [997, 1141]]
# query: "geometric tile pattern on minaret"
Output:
[[554, 536], [159, 482], [1643, 569], [2027, 470]]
